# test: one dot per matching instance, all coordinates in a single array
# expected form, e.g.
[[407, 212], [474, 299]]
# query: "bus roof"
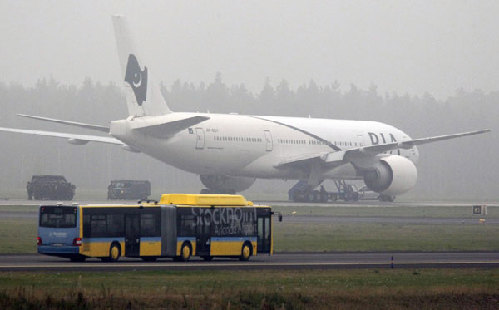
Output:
[[180, 200], [204, 200]]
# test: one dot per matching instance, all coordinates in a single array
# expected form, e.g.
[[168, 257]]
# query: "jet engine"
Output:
[[392, 175], [226, 184]]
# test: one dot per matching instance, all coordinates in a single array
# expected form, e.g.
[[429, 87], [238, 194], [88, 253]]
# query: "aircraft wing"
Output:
[[169, 129], [71, 123], [72, 138], [332, 159], [377, 149]]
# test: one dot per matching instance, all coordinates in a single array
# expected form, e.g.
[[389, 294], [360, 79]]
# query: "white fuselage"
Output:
[[252, 146]]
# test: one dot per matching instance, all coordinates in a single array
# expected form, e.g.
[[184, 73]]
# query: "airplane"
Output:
[[230, 151]]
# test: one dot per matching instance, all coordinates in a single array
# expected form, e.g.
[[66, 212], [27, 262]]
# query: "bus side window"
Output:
[[267, 228], [186, 225], [149, 226], [98, 225], [86, 226], [115, 225]]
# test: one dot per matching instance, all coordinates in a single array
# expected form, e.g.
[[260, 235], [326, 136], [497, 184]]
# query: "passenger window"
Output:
[[149, 225]]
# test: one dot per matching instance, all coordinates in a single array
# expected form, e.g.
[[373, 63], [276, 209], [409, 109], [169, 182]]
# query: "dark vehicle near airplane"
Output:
[[54, 187], [129, 189]]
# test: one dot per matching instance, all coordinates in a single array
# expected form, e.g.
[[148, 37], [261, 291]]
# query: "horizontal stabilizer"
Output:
[[70, 123], [167, 130], [72, 138]]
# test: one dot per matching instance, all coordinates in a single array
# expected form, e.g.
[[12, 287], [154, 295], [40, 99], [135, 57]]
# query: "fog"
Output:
[[428, 68]]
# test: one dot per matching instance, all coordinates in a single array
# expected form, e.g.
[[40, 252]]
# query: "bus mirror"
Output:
[[280, 217]]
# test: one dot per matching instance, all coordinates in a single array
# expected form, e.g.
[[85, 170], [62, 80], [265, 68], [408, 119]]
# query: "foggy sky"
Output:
[[401, 46]]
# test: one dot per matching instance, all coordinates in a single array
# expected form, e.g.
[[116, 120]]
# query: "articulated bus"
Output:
[[178, 227]]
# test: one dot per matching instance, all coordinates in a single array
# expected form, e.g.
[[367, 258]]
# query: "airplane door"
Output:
[[199, 138], [269, 145]]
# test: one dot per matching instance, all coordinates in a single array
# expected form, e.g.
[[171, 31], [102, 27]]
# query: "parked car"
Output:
[[129, 189], [54, 187]]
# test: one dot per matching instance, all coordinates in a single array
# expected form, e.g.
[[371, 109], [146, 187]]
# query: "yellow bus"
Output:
[[179, 226]]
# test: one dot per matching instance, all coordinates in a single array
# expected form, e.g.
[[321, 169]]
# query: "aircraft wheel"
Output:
[[386, 198], [309, 197]]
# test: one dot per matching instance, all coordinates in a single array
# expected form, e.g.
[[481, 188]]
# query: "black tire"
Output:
[[315, 196], [114, 252], [185, 252], [309, 197], [386, 198], [207, 258], [246, 252]]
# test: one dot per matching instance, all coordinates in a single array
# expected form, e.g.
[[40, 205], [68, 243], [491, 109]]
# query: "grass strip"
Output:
[[289, 289]]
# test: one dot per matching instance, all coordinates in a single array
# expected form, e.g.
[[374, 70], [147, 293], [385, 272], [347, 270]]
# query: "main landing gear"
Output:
[[302, 192]]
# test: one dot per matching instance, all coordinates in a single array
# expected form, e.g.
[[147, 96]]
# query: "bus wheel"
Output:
[[185, 252], [114, 252], [245, 252], [207, 258]]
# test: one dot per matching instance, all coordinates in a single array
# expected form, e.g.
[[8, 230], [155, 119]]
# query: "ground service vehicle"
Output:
[[179, 226], [129, 189], [50, 187]]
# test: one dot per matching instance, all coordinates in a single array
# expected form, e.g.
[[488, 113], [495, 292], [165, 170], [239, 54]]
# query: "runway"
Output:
[[35, 262]]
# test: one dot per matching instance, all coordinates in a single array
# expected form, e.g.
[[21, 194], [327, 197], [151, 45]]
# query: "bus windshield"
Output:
[[58, 217]]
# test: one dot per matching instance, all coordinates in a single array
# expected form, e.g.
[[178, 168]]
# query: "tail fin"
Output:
[[143, 96]]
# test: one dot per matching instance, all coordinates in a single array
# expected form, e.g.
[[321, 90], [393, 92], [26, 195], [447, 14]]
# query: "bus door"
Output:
[[132, 234], [263, 227], [203, 242]]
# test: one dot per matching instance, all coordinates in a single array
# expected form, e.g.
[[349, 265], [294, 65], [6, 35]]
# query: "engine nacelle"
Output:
[[393, 175], [226, 183]]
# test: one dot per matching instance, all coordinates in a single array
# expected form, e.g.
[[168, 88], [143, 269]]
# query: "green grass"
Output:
[[361, 237], [269, 289], [18, 235], [21, 209]]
